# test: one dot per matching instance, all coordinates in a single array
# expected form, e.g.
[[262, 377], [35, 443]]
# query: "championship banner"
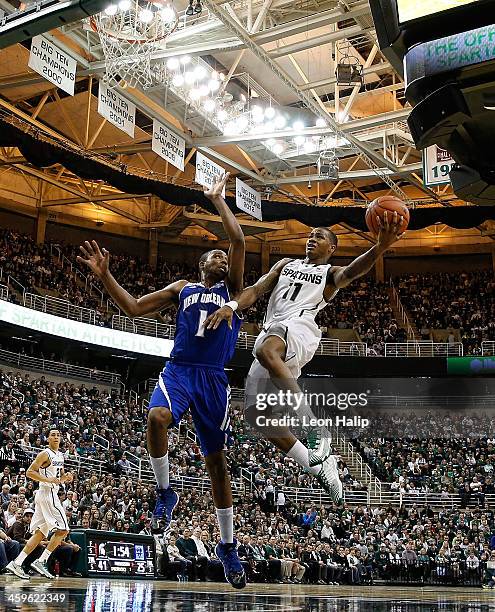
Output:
[[116, 109], [206, 171], [437, 164], [248, 199], [53, 64], [168, 145]]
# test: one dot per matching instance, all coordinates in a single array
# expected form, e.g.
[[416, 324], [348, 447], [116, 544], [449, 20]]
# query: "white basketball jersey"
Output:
[[298, 292], [54, 470]]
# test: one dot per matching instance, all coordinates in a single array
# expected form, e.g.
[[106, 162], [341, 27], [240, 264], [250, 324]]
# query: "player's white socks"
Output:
[[160, 469], [21, 557], [225, 518], [300, 454], [45, 555]]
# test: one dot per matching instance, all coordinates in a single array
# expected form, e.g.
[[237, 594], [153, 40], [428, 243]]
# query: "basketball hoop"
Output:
[[130, 32]]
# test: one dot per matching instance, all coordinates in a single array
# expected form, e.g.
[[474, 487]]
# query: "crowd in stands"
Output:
[[281, 539], [289, 542], [462, 302]]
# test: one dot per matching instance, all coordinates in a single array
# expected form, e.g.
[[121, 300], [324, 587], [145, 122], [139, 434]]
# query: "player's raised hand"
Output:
[[67, 477], [390, 228], [222, 314], [96, 259], [216, 189]]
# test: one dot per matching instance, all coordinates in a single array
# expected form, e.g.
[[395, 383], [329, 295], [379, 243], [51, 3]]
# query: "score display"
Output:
[[415, 9], [119, 557]]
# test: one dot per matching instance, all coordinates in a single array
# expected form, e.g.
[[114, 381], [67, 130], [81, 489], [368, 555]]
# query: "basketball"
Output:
[[379, 206]]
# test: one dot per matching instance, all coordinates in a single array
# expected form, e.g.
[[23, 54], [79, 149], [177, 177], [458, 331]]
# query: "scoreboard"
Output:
[[111, 553]]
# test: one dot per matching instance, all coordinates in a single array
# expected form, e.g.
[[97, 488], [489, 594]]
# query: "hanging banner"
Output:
[[437, 164], [116, 109], [53, 64], [247, 199], [168, 145], [206, 171]]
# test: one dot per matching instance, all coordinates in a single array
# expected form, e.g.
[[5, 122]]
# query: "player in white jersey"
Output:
[[299, 290], [49, 514]]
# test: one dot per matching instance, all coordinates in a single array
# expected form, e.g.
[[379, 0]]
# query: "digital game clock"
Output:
[[112, 553]]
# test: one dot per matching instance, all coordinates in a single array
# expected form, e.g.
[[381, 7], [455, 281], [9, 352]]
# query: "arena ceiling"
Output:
[[282, 50]]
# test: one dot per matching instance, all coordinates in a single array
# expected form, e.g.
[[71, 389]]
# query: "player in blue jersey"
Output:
[[194, 377]]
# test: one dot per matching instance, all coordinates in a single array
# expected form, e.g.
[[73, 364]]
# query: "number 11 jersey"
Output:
[[298, 292]]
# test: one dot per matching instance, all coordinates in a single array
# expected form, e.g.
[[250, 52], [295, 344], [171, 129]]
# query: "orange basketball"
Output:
[[389, 204]]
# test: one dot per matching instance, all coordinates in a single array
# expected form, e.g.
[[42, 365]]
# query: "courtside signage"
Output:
[[53, 64], [207, 171], [168, 145], [437, 165], [84, 332], [116, 109], [247, 199], [471, 366]]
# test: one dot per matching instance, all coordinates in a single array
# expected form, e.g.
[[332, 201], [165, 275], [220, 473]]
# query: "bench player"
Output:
[[49, 514], [194, 377], [300, 288]]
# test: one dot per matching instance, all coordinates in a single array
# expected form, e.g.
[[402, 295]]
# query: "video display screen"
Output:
[[414, 9]]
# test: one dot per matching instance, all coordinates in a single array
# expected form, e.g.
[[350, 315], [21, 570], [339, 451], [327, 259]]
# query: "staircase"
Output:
[[401, 315], [357, 467]]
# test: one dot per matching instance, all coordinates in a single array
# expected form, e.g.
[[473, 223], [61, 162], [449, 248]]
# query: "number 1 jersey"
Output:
[[195, 345]]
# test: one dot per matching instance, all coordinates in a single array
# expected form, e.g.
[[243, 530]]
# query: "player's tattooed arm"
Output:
[[390, 232], [230, 224], [33, 471], [248, 297], [98, 260]]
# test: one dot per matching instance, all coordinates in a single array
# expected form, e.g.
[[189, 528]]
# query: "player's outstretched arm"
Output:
[[248, 297], [98, 262], [230, 224], [390, 232], [33, 470]]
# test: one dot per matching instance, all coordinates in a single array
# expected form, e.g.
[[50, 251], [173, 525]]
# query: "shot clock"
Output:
[[110, 553]]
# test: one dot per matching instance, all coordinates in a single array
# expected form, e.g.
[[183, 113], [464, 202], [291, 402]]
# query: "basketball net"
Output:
[[130, 32]]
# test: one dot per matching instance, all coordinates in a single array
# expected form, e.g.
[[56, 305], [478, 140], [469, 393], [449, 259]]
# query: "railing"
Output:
[[402, 311], [424, 348], [60, 308], [145, 327], [76, 272], [338, 348], [488, 348], [57, 367], [4, 292]]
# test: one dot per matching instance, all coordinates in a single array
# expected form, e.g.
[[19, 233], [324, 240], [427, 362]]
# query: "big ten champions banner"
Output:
[[247, 199], [116, 109], [53, 64], [168, 145], [207, 171]]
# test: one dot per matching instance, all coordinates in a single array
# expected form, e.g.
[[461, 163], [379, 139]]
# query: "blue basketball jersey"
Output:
[[195, 345]]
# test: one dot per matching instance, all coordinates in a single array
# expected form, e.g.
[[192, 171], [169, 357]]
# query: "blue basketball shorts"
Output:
[[206, 392]]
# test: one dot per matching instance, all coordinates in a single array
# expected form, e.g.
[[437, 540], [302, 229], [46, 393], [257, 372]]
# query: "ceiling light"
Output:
[[270, 112], [222, 115], [146, 16], [111, 10], [299, 140], [309, 146], [321, 123], [178, 80], [173, 63], [278, 148], [168, 14], [213, 85], [279, 122], [200, 72], [231, 128], [298, 126], [184, 59], [190, 77], [209, 105], [256, 110], [124, 5], [242, 122], [221, 76], [195, 94], [269, 127], [204, 91]]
